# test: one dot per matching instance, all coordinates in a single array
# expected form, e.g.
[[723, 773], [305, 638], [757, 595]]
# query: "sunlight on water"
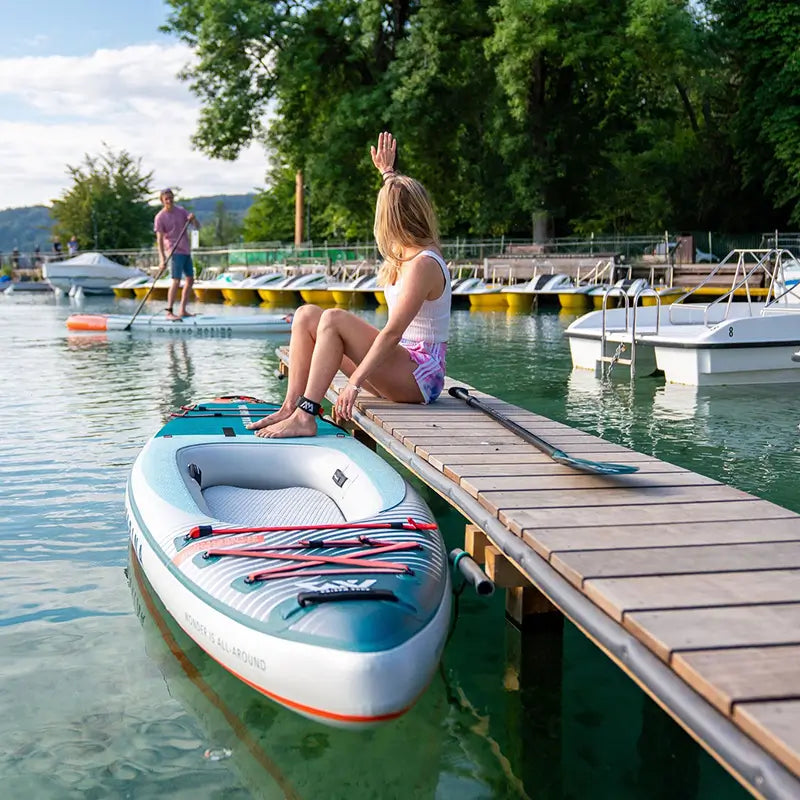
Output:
[[103, 694]]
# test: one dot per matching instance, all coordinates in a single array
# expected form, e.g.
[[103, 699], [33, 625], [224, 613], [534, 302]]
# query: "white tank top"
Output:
[[432, 323]]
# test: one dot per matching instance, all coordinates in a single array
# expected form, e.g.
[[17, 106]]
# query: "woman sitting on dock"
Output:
[[404, 361]]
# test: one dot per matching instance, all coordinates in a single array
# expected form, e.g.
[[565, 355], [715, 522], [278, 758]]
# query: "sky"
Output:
[[78, 74]]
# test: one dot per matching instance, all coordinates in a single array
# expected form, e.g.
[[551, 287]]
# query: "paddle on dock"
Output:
[[559, 456]]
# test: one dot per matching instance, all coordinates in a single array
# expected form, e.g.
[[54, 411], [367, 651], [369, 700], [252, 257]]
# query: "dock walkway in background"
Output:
[[691, 586]]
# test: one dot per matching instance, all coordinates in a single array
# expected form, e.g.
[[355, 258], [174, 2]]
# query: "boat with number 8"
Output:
[[307, 567]]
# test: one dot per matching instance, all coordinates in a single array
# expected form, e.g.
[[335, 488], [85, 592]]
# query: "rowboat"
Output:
[[200, 325], [308, 568]]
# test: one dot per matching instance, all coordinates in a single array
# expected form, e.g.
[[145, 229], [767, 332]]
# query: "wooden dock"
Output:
[[691, 586]]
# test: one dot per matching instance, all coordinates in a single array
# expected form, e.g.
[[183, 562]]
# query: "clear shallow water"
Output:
[[103, 696]]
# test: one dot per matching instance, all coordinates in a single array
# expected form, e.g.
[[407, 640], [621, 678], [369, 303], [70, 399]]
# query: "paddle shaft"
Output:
[[523, 433], [160, 272], [559, 456]]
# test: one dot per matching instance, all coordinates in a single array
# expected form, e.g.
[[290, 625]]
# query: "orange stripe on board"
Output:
[[194, 676], [317, 712]]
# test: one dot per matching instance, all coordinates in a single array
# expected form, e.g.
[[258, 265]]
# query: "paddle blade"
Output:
[[595, 467]]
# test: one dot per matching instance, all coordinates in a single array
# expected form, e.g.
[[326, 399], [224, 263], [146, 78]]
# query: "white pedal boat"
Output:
[[703, 344], [200, 325], [342, 629]]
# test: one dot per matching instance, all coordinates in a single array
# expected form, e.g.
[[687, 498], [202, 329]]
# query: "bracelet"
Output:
[[353, 386], [388, 173]]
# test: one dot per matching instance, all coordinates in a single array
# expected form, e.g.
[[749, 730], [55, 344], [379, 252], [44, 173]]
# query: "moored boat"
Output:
[[308, 568], [287, 291], [703, 344], [127, 287], [245, 292], [354, 292], [93, 273], [199, 325]]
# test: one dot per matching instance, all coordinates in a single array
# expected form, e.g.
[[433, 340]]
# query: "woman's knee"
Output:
[[306, 317], [333, 319]]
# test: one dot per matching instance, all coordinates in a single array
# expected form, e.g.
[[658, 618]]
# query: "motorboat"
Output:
[[93, 273], [306, 567], [703, 344]]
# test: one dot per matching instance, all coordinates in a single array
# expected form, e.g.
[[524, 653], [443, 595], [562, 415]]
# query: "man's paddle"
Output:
[[160, 273], [559, 456]]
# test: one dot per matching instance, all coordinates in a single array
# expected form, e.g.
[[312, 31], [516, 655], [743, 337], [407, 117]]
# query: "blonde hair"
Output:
[[404, 217]]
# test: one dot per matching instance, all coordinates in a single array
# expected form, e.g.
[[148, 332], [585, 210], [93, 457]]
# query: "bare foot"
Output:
[[276, 416], [299, 424], [173, 317]]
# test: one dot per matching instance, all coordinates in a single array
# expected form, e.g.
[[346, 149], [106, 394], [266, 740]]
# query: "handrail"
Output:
[[763, 258]]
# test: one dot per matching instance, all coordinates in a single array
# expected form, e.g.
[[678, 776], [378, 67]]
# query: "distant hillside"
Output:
[[26, 227], [235, 204]]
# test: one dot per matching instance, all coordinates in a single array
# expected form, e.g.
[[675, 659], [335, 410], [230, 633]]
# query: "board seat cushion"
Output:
[[296, 505]]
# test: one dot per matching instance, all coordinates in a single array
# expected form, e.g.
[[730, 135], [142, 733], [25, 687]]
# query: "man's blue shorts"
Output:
[[182, 266]]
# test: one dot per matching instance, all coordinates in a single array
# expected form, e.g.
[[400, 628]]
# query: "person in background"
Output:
[[37, 256], [172, 235], [403, 362], [57, 245], [72, 245]]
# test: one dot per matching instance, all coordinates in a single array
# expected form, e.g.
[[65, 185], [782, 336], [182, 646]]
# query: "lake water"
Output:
[[104, 697]]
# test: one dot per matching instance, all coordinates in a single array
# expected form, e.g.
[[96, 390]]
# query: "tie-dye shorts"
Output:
[[430, 373]]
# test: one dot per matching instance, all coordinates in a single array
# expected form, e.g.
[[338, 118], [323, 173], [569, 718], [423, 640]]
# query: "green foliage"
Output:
[[107, 205], [610, 115], [223, 227]]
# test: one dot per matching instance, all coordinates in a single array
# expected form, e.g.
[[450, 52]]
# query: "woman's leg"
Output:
[[342, 341], [301, 347]]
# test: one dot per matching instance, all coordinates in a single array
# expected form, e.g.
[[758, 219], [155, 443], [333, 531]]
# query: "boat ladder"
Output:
[[623, 336]]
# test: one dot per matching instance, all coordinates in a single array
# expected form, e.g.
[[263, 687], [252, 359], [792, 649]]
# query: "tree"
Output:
[[106, 207], [223, 227], [759, 42]]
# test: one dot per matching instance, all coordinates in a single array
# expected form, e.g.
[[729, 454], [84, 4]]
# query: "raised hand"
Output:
[[384, 154]]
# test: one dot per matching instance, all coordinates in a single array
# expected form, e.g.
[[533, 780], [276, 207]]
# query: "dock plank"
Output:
[[748, 674], [667, 632], [580, 565], [568, 482], [775, 726], [618, 596], [609, 497], [612, 537], [519, 520]]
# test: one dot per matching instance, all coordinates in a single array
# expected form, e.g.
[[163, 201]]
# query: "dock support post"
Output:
[[523, 599]]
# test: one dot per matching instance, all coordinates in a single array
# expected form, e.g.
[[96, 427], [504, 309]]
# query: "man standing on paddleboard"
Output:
[[172, 236]]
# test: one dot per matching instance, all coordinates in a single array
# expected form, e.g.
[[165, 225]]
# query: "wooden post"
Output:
[[298, 208], [523, 599]]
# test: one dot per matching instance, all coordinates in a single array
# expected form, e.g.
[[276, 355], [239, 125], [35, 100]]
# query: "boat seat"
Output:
[[296, 505]]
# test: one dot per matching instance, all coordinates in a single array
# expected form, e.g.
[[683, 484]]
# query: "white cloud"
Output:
[[55, 109]]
